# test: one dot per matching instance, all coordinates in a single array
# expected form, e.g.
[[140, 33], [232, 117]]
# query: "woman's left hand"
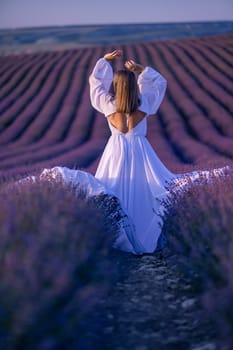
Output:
[[113, 55]]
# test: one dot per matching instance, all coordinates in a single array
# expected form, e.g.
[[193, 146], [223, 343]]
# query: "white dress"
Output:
[[129, 166]]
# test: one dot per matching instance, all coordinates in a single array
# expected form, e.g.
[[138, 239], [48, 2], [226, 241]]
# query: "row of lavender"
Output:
[[46, 118], [198, 223], [56, 264]]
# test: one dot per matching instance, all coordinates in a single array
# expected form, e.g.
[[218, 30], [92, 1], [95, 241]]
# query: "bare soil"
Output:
[[151, 307]]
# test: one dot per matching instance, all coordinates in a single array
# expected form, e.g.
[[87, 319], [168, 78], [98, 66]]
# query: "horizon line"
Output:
[[114, 24]]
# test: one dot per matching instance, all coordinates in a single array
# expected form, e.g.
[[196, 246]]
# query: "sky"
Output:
[[33, 13]]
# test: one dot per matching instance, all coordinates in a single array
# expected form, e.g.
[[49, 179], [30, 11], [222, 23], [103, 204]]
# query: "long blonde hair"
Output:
[[125, 91]]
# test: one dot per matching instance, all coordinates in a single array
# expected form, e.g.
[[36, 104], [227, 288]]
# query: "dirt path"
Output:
[[152, 308]]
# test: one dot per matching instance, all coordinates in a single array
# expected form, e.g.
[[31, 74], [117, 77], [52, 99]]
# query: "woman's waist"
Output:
[[128, 134]]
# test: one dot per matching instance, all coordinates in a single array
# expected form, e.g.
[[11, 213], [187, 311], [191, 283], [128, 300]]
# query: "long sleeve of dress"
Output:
[[152, 87], [100, 81]]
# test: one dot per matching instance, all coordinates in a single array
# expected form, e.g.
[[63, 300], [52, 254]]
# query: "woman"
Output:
[[129, 166]]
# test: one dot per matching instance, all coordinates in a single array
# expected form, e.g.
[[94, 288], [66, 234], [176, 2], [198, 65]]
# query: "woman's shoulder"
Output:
[[109, 106]]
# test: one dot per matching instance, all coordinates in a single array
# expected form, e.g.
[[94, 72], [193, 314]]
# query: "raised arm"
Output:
[[100, 81], [152, 86]]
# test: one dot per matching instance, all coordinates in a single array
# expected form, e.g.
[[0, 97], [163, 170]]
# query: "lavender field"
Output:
[[46, 118]]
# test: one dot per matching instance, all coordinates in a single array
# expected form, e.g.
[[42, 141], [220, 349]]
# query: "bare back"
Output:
[[126, 122]]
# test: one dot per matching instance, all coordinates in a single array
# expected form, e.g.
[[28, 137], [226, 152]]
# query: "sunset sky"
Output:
[[29, 13]]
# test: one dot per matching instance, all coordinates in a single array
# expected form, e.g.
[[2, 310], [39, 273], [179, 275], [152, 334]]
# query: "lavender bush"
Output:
[[54, 262], [218, 302], [198, 221]]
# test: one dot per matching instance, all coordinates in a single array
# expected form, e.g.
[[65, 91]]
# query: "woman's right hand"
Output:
[[133, 66], [113, 55]]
